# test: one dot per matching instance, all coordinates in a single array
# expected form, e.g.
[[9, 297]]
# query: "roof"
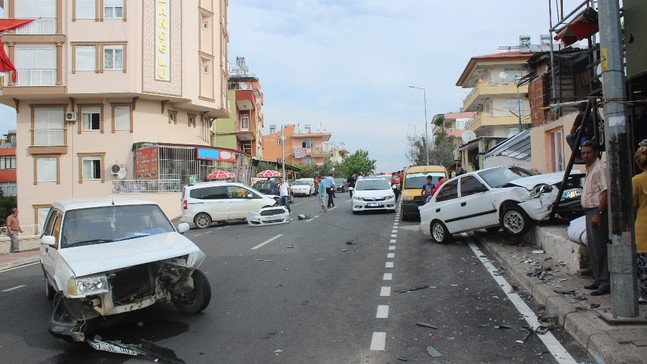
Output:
[[496, 57], [517, 147], [91, 202]]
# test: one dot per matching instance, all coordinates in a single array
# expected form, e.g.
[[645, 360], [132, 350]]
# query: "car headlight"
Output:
[[87, 286], [539, 189]]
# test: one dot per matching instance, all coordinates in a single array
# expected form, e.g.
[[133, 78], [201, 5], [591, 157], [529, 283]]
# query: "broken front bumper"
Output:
[[268, 216]]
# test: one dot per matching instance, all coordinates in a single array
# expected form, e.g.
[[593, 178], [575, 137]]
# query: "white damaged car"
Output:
[[508, 197], [104, 257]]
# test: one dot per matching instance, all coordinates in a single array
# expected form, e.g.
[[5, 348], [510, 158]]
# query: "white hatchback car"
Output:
[[508, 197], [373, 194], [303, 187], [207, 202], [103, 257]]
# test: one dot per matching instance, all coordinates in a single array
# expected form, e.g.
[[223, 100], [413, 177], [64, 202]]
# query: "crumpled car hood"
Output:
[[547, 178], [97, 258]]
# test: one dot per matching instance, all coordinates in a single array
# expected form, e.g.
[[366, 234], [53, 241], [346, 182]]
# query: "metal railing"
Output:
[[35, 77], [130, 186], [39, 26]]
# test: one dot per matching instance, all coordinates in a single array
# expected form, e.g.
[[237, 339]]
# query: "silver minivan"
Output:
[[207, 202]]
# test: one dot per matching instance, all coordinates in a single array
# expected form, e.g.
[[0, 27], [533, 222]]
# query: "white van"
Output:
[[207, 202]]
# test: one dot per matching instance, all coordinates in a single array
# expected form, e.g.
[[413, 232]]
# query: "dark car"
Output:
[[341, 185], [270, 187]]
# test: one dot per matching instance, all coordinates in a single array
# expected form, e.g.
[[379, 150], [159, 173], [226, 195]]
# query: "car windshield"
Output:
[[499, 177], [301, 182], [112, 223], [417, 180], [372, 184]]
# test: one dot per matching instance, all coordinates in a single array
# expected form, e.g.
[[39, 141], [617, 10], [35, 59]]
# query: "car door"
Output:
[[215, 201], [445, 206], [49, 255], [477, 209], [241, 200]]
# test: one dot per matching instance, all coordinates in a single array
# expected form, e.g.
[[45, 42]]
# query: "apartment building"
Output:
[[8, 164], [114, 96], [301, 146]]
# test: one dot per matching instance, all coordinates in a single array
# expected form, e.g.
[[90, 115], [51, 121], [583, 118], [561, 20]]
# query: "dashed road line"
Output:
[[385, 291], [390, 255], [266, 242], [388, 265], [391, 247], [382, 312], [387, 277], [13, 288], [392, 241], [378, 342]]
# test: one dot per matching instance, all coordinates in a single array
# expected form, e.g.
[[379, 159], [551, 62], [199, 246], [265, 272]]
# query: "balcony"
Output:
[[484, 120], [32, 77], [39, 26], [489, 90]]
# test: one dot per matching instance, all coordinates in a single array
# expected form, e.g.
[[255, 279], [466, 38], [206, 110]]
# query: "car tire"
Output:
[[439, 232], [197, 300], [202, 220], [515, 220], [49, 290]]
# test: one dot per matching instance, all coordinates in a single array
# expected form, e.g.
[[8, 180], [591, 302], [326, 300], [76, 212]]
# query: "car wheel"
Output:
[[49, 290], [199, 298], [514, 220], [439, 232], [493, 229], [202, 220]]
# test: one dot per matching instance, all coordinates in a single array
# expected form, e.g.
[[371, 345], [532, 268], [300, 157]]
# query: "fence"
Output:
[[129, 186]]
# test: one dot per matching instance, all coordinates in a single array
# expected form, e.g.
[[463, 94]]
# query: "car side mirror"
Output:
[[48, 240], [183, 227]]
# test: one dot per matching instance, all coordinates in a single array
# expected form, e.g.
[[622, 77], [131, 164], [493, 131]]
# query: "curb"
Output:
[[18, 263], [600, 345]]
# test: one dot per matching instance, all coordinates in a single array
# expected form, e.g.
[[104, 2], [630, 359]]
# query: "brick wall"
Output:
[[538, 97]]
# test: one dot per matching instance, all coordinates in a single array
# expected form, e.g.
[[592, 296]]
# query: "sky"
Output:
[[344, 66]]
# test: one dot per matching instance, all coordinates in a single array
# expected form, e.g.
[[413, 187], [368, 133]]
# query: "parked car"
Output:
[[341, 185], [414, 178], [511, 197], [270, 187], [373, 194], [103, 257], [303, 187], [207, 202]]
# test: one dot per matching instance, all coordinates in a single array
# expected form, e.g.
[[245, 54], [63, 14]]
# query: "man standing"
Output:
[[330, 183], [594, 202], [427, 189], [13, 228], [284, 192], [351, 183]]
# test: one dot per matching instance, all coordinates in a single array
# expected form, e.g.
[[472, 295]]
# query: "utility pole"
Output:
[[426, 143], [622, 251], [283, 152]]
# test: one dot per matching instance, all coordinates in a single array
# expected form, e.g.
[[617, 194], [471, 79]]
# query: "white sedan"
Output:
[[303, 187], [373, 194], [508, 197]]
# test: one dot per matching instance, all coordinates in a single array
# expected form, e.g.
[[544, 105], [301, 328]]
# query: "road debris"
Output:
[[290, 246], [433, 352], [424, 324], [538, 252], [564, 291], [278, 351], [146, 349], [402, 358], [502, 327], [528, 331], [412, 289]]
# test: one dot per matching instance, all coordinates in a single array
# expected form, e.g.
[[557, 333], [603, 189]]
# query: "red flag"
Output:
[[5, 62]]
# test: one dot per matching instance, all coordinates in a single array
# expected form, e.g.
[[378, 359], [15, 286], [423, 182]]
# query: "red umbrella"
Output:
[[268, 173], [220, 174]]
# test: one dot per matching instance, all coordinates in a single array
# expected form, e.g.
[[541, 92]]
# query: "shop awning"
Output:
[[584, 25]]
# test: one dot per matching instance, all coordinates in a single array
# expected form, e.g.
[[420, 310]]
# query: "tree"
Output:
[[356, 163], [6, 204], [416, 154], [443, 152]]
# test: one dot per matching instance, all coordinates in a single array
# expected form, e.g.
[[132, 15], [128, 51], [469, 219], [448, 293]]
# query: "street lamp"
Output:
[[424, 97]]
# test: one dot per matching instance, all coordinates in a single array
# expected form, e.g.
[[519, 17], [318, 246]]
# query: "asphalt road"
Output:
[[319, 290]]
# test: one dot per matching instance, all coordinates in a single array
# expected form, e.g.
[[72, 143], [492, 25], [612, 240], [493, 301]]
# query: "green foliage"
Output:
[[438, 120], [308, 170], [262, 165], [443, 152], [416, 152], [6, 204], [356, 163]]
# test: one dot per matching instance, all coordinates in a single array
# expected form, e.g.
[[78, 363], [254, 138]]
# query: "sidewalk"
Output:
[[557, 284], [29, 253]]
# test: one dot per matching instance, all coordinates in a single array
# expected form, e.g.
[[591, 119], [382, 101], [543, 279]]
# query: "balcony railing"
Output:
[[39, 26], [33, 77], [130, 186], [49, 137]]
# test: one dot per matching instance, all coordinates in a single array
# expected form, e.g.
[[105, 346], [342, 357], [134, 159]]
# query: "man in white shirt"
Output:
[[284, 192]]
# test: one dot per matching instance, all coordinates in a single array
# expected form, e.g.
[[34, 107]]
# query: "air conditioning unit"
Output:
[[70, 116], [119, 170]]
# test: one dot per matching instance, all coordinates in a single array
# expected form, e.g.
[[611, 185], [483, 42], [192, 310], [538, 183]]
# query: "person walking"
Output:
[[594, 202], [395, 185], [13, 228], [284, 192], [322, 196], [330, 184], [639, 183], [351, 183]]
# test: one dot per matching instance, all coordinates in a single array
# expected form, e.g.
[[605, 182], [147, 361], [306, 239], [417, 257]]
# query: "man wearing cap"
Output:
[[13, 227]]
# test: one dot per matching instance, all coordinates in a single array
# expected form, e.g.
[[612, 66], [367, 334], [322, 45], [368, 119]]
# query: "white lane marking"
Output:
[[552, 344], [391, 247], [13, 288], [382, 312], [385, 291], [18, 267], [266, 242], [332, 208], [378, 342], [392, 241], [312, 218], [390, 255], [388, 265], [394, 235], [387, 277], [394, 231]]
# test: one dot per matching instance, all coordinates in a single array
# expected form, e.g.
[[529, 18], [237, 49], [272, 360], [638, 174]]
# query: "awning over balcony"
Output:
[[584, 25]]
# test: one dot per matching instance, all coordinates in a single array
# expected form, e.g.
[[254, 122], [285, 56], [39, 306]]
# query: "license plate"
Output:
[[372, 204], [572, 193]]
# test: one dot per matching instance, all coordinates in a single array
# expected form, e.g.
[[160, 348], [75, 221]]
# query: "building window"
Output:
[[42, 11], [91, 165], [244, 122], [85, 58], [172, 117], [191, 120], [85, 9], [9, 189], [205, 24], [557, 150], [48, 127], [8, 162], [90, 118], [308, 143], [36, 65], [113, 9], [113, 57], [46, 169], [122, 118]]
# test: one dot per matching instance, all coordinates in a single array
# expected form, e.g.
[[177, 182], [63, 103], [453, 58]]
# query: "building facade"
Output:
[[102, 83], [8, 164], [301, 146]]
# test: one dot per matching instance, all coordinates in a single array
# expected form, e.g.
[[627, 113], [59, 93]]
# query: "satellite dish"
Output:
[[122, 173], [468, 136]]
